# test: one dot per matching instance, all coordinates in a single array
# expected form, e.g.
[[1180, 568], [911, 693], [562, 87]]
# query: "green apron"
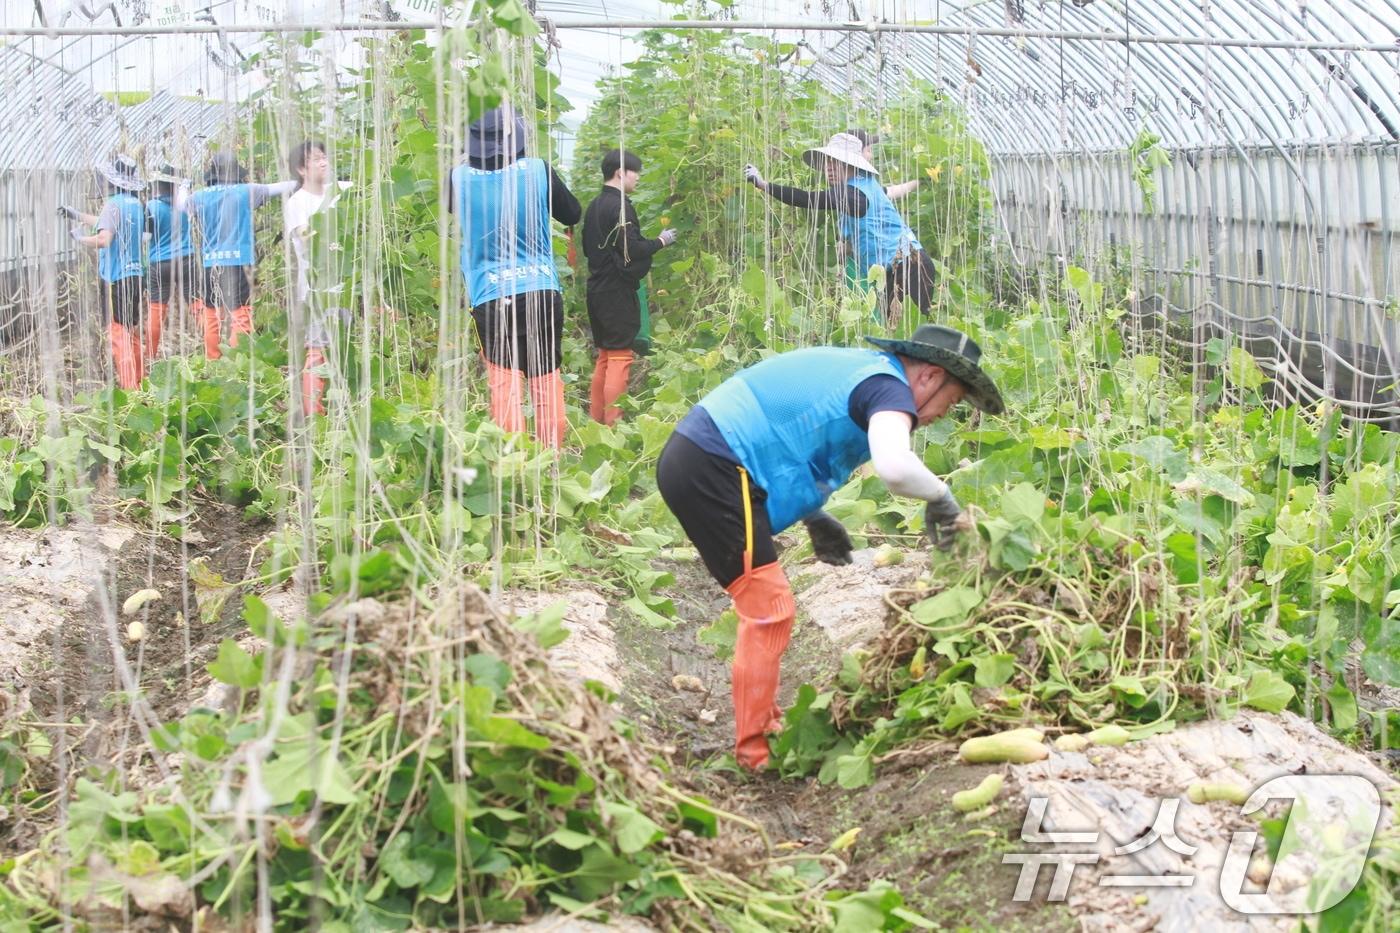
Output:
[[642, 344]]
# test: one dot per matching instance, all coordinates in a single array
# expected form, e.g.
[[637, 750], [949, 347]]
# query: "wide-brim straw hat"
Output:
[[499, 132], [958, 355], [121, 172], [843, 147]]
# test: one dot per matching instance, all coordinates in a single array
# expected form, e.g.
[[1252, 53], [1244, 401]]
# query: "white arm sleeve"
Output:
[[895, 192], [261, 194], [895, 461]]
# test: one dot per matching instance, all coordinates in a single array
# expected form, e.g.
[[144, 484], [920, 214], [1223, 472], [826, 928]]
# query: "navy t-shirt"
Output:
[[881, 392]]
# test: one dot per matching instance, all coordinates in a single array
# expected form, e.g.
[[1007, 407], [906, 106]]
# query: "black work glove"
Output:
[[830, 543], [941, 521], [65, 211]]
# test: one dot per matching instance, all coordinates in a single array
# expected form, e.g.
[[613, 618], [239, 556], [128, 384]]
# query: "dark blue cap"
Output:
[[498, 132]]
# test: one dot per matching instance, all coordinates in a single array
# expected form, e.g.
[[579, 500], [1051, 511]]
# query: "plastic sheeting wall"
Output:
[[1294, 251]]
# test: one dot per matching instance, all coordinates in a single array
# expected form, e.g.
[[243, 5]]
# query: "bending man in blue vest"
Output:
[[767, 447], [871, 226], [120, 267], [503, 202]]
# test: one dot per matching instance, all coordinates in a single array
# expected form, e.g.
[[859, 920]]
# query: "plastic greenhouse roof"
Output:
[[75, 69], [51, 119], [1039, 94], [1024, 94]]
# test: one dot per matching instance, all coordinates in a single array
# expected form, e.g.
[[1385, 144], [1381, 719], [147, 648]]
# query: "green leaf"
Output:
[[477, 703], [633, 828], [953, 604], [235, 667], [702, 818], [304, 764], [993, 670], [961, 710], [140, 858], [1214, 483], [1186, 559], [857, 769], [168, 826], [1161, 454], [547, 625], [582, 910], [258, 616], [1130, 689], [601, 872], [1297, 440], [648, 615], [1268, 691], [90, 811], [1048, 437], [406, 870], [755, 281], [721, 635], [487, 670], [1023, 502], [504, 731], [1147, 368], [1381, 659], [569, 839], [1343, 705], [1243, 370]]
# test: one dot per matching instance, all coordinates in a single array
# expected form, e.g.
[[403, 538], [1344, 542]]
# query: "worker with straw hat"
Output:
[[870, 224], [120, 266], [767, 447], [503, 203], [859, 279]]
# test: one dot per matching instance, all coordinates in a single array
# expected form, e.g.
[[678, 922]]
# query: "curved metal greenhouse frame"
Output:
[[1274, 223]]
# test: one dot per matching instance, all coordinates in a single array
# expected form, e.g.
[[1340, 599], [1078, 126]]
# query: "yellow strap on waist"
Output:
[[748, 520]]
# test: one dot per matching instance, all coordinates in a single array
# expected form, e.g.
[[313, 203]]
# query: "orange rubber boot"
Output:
[[595, 389], [155, 322], [313, 385], [763, 601], [209, 317], [505, 397], [242, 324], [126, 355], [615, 383], [547, 394]]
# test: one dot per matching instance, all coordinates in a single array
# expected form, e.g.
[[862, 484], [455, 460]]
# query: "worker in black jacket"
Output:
[[619, 258]]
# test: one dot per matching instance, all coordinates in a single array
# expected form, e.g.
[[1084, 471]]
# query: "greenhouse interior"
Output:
[[412, 517]]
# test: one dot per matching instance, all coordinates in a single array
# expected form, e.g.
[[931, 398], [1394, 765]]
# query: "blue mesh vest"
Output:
[[170, 231], [225, 215], [788, 421], [122, 258], [504, 216], [881, 235]]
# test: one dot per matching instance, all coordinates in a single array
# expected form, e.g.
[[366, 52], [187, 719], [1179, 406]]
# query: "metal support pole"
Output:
[[934, 29]]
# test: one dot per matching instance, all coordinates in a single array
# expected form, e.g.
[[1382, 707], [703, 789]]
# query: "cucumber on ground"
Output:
[[1017, 745], [1109, 735], [965, 801], [1205, 793]]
